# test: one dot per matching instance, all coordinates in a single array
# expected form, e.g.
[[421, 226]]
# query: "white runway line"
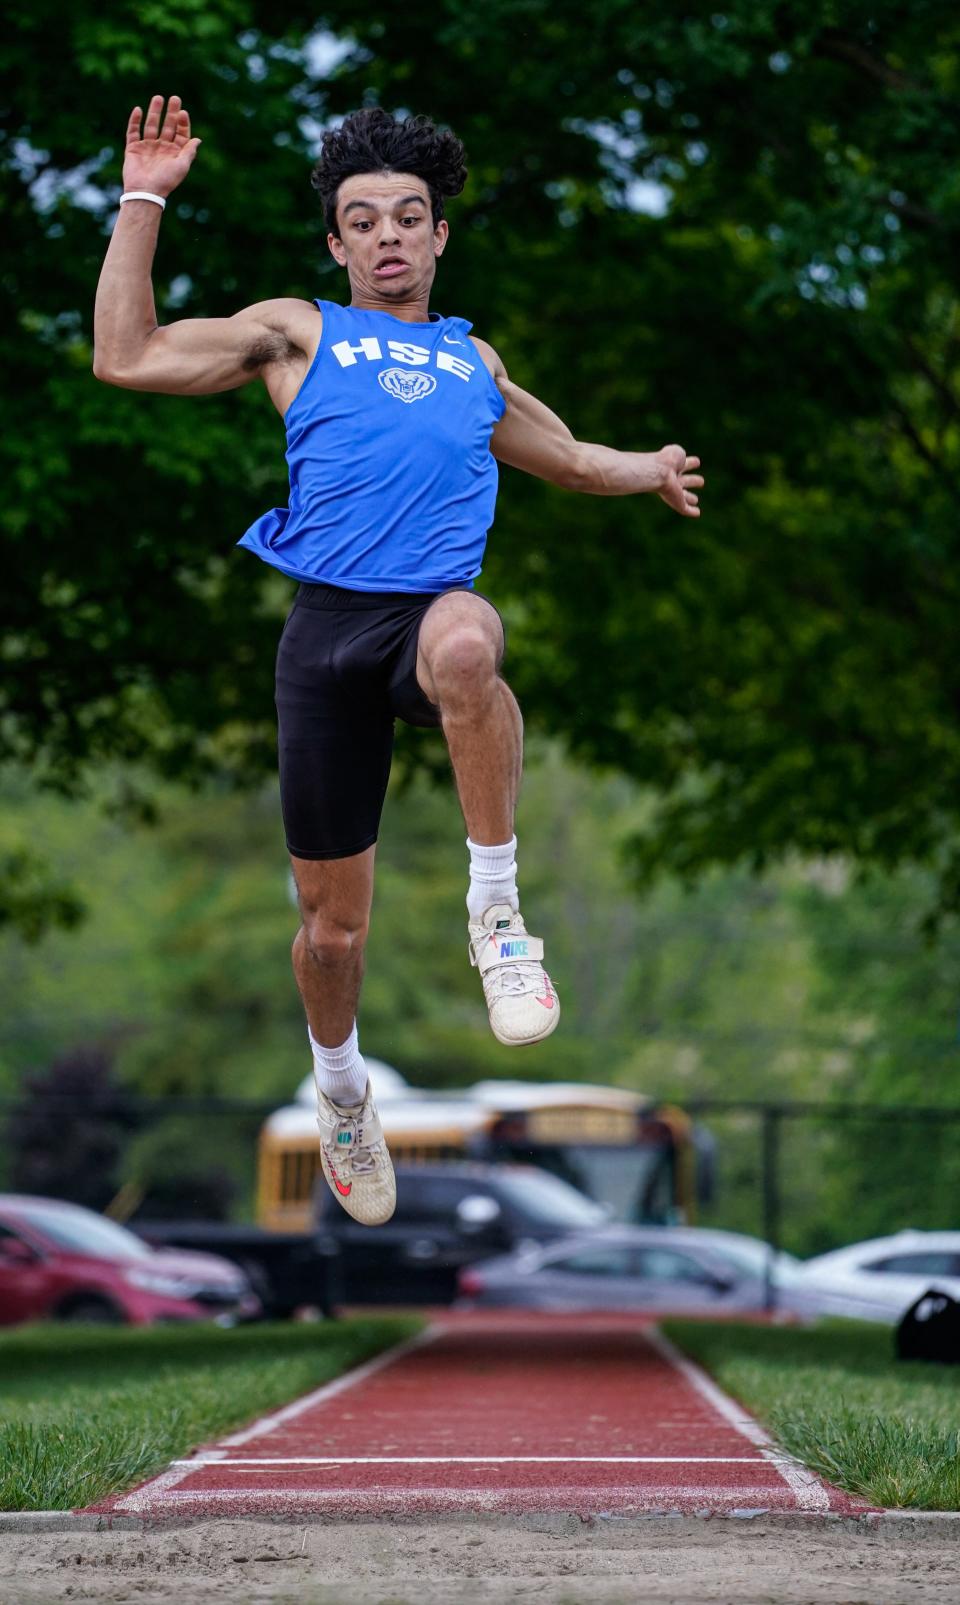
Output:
[[656, 1496], [807, 1489], [158, 1488], [483, 1460]]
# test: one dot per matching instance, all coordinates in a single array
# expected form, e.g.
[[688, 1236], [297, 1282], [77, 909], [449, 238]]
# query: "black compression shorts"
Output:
[[346, 669]]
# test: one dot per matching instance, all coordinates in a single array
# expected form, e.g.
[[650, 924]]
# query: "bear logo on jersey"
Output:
[[405, 384]]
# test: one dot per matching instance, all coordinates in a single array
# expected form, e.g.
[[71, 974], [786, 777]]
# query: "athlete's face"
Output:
[[387, 243]]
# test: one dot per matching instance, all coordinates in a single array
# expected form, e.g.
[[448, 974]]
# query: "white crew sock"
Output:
[[493, 877], [340, 1072]]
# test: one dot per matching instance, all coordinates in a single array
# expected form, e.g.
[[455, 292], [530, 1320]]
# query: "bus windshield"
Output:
[[548, 1201], [633, 1184]]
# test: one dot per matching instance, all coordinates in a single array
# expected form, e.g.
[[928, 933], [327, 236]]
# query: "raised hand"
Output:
[[159, 156], [681, 481]]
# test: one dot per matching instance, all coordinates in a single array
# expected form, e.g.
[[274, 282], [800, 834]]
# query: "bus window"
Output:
[[634, 1184]]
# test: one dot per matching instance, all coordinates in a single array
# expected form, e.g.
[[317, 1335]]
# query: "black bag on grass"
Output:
[[930, 1330]]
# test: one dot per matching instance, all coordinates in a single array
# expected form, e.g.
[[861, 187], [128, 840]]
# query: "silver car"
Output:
[[655, 1268]]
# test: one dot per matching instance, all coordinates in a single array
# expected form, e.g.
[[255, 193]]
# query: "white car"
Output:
[[880, 1279]]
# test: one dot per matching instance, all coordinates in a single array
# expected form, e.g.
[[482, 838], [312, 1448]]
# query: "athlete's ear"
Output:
[[336, 249], [440, 235]]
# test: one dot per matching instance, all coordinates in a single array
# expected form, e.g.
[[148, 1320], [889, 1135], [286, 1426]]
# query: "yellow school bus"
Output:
[[637, 1158]]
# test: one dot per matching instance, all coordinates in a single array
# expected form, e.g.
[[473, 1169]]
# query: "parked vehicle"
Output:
[[288, 1271], [448, 1216], [751, 1254], [655, 1268], [59, 1261], [879, 1280]]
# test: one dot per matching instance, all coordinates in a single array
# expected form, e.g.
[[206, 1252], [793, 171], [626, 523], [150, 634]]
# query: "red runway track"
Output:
[[514, 1414]]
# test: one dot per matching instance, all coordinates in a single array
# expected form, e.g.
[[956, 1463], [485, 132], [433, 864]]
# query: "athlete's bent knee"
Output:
[[463, 660]]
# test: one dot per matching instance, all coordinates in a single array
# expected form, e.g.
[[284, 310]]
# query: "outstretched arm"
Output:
[[531, 437], [195, 356]]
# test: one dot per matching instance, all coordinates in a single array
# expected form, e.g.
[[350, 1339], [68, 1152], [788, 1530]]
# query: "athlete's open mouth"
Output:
[[389, 266]]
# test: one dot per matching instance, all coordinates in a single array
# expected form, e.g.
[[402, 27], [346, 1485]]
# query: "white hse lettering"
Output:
[[346, 354], [456, 365], [400, 351]]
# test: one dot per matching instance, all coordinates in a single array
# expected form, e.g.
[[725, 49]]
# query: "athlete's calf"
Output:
[[335, 895]]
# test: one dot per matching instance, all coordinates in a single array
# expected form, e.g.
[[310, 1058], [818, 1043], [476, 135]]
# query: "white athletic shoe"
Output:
[[355, 1159], [521, 1000]]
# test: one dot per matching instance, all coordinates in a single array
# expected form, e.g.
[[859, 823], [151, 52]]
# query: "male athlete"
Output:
[[395, 419]]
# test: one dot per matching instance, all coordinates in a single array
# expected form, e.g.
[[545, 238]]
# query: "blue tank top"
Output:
[[392, 482]]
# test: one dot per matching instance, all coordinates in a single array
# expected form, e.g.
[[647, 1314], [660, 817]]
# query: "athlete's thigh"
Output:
[[334, 749], [450, 613]]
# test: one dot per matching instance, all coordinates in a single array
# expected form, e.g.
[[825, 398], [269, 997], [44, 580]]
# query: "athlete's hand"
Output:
[[680, 481], [158, 157]]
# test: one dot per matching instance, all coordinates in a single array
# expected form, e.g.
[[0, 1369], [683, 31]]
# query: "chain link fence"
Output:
[[808, 1177]]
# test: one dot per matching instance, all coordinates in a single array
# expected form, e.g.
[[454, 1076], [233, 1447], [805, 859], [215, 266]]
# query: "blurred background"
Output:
[[739, 828]]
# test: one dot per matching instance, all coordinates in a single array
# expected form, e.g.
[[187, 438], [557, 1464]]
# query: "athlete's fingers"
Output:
[[692, 480], [691, 463], [133, 125], [183, 126], [151, 127], [190, 148], [169, 129]]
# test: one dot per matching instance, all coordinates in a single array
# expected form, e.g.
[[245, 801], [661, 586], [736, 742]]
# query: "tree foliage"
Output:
[[782, 671], [32, 901], [67, 1136]]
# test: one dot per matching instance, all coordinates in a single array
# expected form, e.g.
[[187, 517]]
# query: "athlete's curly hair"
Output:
[[372, 141]]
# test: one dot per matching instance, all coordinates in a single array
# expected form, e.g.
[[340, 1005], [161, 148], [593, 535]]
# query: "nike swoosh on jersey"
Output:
[[450, 342]]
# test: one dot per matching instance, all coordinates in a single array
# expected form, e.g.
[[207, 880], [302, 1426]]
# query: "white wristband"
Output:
[[143, 195]]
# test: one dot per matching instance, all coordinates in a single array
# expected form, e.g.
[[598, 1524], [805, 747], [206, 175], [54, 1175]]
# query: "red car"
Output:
[[64, 1263]]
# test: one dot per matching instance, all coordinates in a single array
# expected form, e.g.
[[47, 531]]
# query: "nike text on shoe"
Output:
[[521, 1001], [355, 1159]]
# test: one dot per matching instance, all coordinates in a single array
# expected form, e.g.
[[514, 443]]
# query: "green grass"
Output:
[[85, 1412], [834, 1396]]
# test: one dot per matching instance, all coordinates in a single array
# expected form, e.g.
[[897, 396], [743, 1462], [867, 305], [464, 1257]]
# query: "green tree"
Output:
[[782, 671], [67, 1136]]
